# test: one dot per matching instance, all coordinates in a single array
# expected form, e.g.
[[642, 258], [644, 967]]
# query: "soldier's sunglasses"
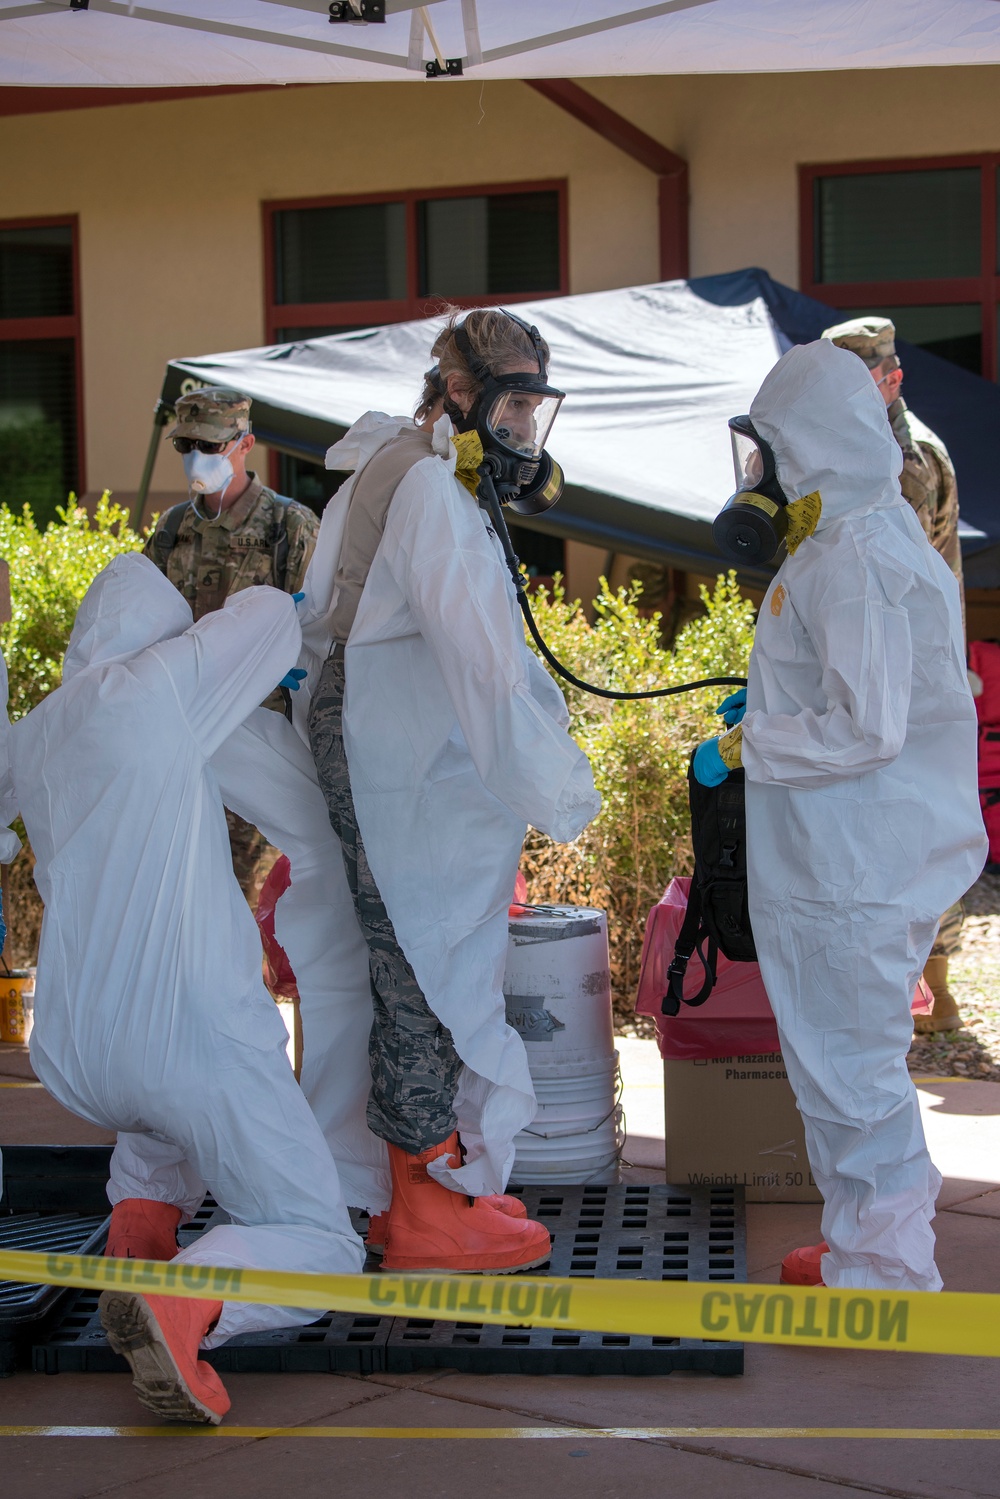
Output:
[[188, 444]]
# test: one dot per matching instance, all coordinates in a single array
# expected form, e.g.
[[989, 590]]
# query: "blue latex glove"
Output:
[[709, 766], [733, 708], [292, 679], [297, 599]]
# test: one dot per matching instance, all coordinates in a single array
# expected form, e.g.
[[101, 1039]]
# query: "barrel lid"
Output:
[[555, 923]]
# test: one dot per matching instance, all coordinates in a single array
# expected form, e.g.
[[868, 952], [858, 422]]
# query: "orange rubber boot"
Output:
[[801, 1267], [379, 1222], [432, 1228], [160, 1336], [143, 1230]]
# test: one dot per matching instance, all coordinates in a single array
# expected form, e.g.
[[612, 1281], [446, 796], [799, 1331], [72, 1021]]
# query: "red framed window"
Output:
[[41, 439], [912, 240], [338, 263], [332, 264]]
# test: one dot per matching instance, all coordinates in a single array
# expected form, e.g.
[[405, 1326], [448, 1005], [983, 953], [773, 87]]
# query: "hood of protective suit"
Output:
[[130, 605], [827, 425]]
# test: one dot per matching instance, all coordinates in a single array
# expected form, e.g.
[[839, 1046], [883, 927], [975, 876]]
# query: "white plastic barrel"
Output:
[[557, 984], [576, 1132], [558, 991]]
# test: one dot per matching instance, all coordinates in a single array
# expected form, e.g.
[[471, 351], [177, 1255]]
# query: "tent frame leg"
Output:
[[160, 418]]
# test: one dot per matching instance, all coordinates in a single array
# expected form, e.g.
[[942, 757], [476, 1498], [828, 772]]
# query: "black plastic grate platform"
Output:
[[649, 1232], [62, 1233], [40, 1183]]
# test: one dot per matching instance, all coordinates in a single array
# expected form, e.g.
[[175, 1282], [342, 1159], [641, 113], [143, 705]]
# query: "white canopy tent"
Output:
[[185, 43]]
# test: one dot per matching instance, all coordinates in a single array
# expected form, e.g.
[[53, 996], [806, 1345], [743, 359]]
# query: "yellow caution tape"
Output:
[[911, 1321]]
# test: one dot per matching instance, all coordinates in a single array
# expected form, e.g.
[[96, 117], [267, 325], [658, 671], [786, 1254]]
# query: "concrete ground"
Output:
[[800, 1424]]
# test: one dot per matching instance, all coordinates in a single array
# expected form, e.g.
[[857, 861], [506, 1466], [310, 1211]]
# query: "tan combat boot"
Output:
[[945, 1014]]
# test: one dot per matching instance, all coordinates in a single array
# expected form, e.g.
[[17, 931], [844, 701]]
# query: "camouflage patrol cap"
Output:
[[871, 338], [214, 414]]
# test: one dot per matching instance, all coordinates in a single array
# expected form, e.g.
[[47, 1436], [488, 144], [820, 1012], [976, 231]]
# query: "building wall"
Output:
[[168, 195], [744, 137]]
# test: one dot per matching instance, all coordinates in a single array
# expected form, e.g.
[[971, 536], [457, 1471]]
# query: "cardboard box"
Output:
[[732, 1121]]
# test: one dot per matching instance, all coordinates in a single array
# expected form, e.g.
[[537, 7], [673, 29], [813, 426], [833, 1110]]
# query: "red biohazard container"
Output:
[[735, 1019], [278, 974], [984, 659], [729, 1111]]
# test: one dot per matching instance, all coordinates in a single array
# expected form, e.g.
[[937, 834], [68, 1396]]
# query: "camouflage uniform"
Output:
[[207, 560], [212, 559], [415, 1068], [928, 482], [928, 479]]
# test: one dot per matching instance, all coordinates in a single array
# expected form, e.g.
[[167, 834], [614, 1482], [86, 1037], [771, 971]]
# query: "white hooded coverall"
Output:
[[863, 819], [267, 775], [456, 739], [151, 1017]]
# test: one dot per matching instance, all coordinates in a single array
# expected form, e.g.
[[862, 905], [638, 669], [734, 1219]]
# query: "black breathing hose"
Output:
[[493, 505]]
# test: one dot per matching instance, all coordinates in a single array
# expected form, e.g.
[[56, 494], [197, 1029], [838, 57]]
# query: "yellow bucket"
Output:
[[17, 1005]]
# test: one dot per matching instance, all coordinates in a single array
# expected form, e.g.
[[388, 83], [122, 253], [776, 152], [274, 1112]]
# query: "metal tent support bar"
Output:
[[161, 416]]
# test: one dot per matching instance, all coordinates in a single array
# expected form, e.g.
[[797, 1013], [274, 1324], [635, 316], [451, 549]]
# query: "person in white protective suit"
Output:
[[437, 738], [267, 776], [863, 819], [150, 1016], [10, 843]]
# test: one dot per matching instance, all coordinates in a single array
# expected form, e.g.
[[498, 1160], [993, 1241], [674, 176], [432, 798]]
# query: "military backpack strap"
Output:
[[691, 938], [166, 534], [279, 542]]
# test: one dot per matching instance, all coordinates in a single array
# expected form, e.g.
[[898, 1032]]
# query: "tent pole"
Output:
[[160, 417]]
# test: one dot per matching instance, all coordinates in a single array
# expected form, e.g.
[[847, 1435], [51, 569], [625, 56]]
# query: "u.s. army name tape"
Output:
[[910, 1321]]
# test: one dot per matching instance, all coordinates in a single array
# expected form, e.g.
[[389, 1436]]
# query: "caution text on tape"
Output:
[[913, 1321]]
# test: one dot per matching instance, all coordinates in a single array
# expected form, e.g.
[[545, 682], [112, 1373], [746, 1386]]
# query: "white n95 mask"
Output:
[[208, 473]]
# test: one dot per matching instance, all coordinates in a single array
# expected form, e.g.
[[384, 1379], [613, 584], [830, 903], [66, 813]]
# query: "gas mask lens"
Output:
[[754, 521], [522, 421], [747, 460]]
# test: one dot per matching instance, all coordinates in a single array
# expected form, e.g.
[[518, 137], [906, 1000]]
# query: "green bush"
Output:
[[50, 571], [639, 752], [32, 462]]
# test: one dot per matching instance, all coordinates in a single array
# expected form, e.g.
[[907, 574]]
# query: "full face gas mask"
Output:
[[753, 523], [513, 415]]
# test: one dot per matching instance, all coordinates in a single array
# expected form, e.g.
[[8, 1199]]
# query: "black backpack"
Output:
[[718, 915]]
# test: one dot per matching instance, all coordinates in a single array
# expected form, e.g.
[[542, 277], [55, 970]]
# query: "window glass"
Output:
[[952, 332], [37, 424], [523, 242], [309, 483], [454, 245], [495, 245], [542, 555], [296, 335], [352, 253], [898, 226], [36, 272]]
